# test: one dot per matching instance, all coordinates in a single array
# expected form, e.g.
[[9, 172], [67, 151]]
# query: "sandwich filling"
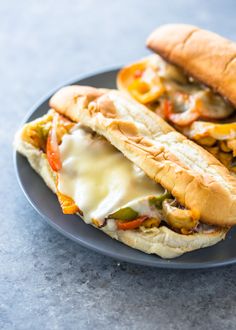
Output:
[[93, 170], [97, 181], [192, 108]]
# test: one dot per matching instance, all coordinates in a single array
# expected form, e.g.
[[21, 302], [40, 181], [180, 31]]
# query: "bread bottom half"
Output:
[[161, 241]]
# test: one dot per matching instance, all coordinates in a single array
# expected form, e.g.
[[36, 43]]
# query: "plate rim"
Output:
[[160, 263]]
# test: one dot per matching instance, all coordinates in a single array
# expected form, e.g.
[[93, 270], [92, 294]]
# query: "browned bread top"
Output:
[[190, 173], [204, 55]]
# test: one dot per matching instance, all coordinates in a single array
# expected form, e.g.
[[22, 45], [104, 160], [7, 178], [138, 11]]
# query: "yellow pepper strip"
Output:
[[146, 86], [144, 92], [200, 129], [67, 204]]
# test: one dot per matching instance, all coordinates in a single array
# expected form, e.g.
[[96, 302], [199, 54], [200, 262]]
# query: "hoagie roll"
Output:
[[108, 181], [182, 86]]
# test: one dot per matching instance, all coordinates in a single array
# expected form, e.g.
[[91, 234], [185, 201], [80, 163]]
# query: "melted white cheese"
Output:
[[98, 177]]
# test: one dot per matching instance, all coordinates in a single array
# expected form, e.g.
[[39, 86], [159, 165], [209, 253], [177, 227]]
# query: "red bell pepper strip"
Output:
[[52, 148], [131, 224]]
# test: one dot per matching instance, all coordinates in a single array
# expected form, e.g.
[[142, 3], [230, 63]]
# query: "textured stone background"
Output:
[[47, 281]]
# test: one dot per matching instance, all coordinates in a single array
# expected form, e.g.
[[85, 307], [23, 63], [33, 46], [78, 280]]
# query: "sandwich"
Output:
[[127, 172], [191, 83]]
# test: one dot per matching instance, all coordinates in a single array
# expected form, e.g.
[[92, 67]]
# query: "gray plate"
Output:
[[46, 204]]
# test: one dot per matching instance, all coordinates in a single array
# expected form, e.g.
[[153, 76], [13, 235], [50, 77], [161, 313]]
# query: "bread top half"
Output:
[[204, 55], [193, 176]]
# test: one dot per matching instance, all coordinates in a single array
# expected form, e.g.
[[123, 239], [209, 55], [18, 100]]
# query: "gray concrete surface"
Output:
[[46, 281]]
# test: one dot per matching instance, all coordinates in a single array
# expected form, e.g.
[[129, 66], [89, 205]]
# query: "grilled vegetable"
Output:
[[213, 150], [232, 145], [184, 118], [52, 149], [131, 224], [151, 222], [126, 213], [145, 93], [207, 141], [225, 158], [224, 146], [36, 132], [157, 201], [182, 219], [201, 129], [146, 86], [67, 204]]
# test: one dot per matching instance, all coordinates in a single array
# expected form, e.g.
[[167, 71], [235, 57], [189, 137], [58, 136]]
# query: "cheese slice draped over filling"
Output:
[[98, 177]]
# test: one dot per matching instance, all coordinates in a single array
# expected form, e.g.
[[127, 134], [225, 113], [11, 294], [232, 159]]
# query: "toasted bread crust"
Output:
[[191, 174], [202, 54]]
